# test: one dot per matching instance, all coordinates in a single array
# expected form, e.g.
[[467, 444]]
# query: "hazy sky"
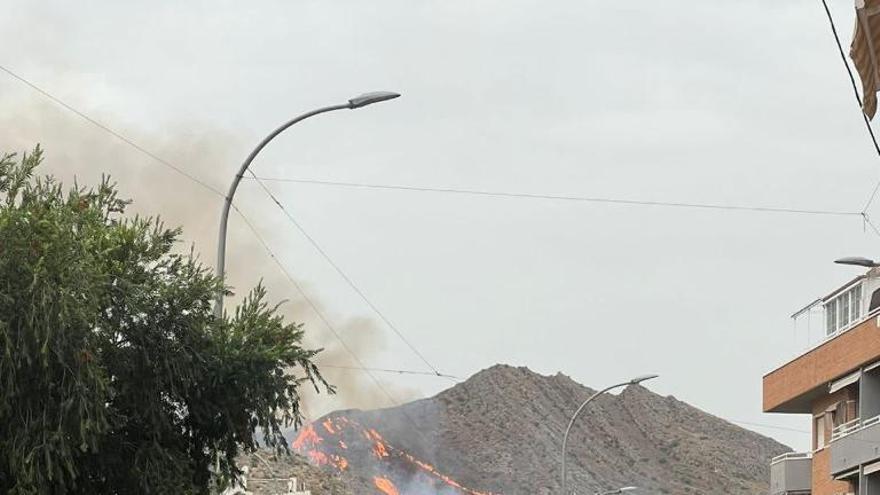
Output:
[[740, 103]]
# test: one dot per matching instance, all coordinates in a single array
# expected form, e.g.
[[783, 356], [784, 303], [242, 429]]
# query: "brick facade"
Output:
[[833, 359]]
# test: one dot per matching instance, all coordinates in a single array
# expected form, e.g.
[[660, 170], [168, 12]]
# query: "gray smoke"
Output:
[[77, 150]]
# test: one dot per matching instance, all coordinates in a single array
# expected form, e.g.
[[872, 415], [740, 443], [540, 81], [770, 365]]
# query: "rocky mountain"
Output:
[[500, 432]]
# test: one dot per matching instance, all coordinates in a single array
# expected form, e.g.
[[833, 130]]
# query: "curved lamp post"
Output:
[[619, 490], [634, 381], [356, 102]]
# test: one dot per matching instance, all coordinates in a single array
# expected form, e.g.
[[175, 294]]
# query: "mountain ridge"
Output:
[[500, 431]]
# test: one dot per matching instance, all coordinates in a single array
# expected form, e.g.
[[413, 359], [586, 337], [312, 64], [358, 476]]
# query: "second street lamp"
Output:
[[356, 102], [634, 381]]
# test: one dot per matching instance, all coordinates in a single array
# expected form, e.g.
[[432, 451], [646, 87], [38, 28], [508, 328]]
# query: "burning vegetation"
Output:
[[341, 443]]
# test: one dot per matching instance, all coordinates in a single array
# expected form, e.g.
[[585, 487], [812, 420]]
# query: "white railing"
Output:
[[805, 342], [845, 429], [791, 456], [870, 422], [852, 427]]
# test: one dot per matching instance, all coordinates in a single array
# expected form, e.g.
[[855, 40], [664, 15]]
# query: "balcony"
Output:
[[841, 338], [854, 444], [793, 387], [791, 474]]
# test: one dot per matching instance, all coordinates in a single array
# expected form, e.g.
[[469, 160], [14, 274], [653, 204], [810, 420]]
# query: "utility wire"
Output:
[[774, 427], [112, 132], [332, 328], [871, 225], [315, 309], [345, 276], [214, 190], [385, 370], [588, 199], [855, 89]]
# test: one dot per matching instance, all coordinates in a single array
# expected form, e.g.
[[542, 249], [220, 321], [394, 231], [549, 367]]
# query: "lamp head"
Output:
[[857, 261], [640, 379], [370, 98]]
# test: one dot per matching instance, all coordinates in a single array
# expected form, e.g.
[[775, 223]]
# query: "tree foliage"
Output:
[[115, 377]]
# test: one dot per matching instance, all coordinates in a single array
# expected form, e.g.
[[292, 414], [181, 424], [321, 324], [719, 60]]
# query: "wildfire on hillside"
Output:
[[343, 444]]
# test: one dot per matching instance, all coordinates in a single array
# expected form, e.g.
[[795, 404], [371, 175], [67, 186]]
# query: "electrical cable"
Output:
[[113, 133], [321, 316], [345, 276], [855, 88], [386, 370], [502, 194], [326, 322], [762, 425]]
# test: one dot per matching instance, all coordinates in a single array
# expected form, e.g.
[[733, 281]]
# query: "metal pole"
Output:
[[227, 204], [571, 422], [634, 381]]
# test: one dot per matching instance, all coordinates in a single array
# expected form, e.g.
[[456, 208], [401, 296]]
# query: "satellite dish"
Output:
[[857, 261]]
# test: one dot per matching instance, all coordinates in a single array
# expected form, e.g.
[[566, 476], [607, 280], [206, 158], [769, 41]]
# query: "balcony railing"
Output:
[[791, 456], [857, 445], [849, 427]]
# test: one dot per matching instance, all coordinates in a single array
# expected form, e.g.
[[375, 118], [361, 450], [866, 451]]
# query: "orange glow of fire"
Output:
[[379, 449], [309, 442], [385, 486], [317, 457], [307, 437]]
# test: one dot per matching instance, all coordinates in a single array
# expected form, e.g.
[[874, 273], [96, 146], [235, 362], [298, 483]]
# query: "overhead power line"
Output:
[[554, 197], [763, 425], [112, 132], [871, 225], [855, 88], [385, 370], [323, 318], [314, 307], [345, 276]]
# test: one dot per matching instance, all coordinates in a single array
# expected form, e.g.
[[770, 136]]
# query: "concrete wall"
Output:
[[869, 393], [855, 449], [791, 475]]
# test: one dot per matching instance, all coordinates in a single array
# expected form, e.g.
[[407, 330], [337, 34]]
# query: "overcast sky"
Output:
[[741, 103]]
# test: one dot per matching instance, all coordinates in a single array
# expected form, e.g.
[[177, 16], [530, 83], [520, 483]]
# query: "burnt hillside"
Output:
[[500, 432]]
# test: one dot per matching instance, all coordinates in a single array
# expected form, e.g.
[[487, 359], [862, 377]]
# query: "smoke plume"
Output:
[[76, 150]]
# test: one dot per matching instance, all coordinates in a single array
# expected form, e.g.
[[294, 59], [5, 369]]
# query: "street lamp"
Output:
[[634, 381], [356, 102], [619, 490], [857, 261]]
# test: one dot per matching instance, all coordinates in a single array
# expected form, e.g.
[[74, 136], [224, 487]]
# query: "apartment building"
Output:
[[836, 382]]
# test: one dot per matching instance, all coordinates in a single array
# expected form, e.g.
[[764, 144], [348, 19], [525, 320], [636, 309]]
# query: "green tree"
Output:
[[115, 377]]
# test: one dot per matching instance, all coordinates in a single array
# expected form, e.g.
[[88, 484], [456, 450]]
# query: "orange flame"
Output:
[[379, 449], [308, 436], [385, 486], [309, 443]]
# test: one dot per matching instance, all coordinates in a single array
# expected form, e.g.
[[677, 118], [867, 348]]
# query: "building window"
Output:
[[831, 317], [819, 441], [843, 309]]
